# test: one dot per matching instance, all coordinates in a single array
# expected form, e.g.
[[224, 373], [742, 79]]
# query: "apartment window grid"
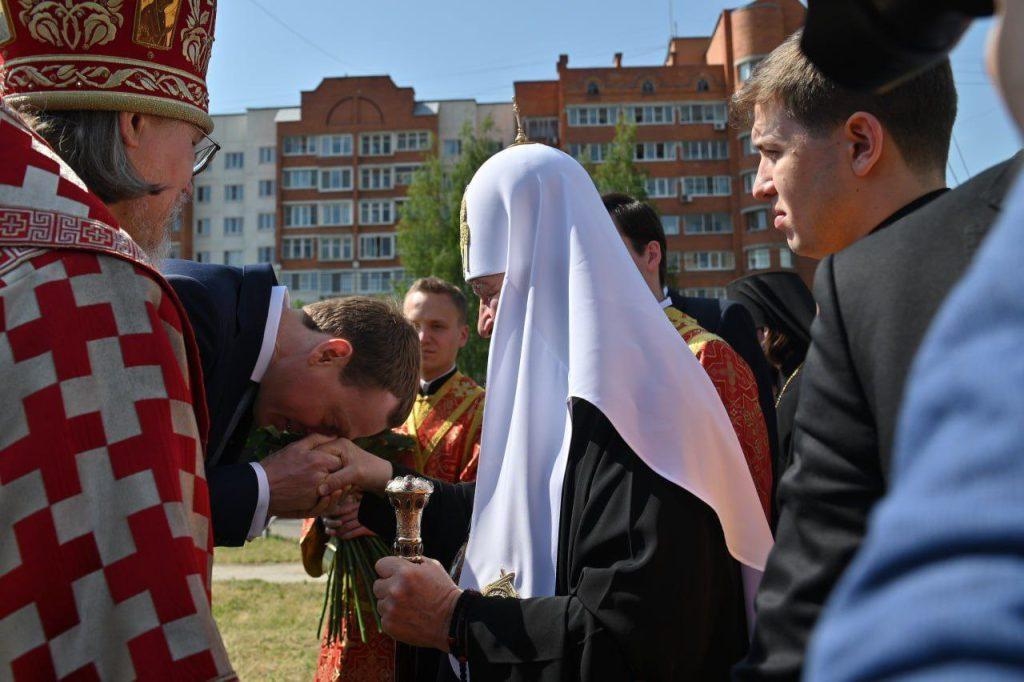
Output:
[[266, 154], [650, 114], [202, 227], [300, 145], [756, 219], [266, 188], [672, 261], [670, 223], [336, 179], [399, 207], [748, 181], [300, 215], [265, 222], [233, 257], [703, 113], [707, 223], [589, 153], [300, 281], [232, 226], [376, 246], [203, 257], [376, 177], [654, 151], [661, 188], [378, 281], [412, 141], [297, 247], [337, 283], [708, 186], [704, 150], [452, 147], [705, 292], [746, 69], [759, 258], [405, 174], [376, 212], [375, 144], [335, 145], [542, 128], [203, 194], [702, 261], [785, 257], [299, 178], [234, 192], [265, 254], [335, 213], [336, 248], [747, 145], [234, 160], [596, 115]]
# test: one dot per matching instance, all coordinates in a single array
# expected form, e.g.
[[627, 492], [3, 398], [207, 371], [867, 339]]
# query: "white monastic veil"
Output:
[[575, 319]]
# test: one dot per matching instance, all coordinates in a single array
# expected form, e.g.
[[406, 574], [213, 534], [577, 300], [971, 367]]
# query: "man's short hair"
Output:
[[436, 285], [918, 113], [639, 223], [90, 142], [386, 349]]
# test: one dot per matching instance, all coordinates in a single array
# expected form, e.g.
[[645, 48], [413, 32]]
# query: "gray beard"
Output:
[[139, 225]]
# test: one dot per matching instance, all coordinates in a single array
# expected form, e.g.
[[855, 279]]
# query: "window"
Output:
[[232, 227], [300, 215], [697, 261], [404, 175], [375, 213], [593, 88], [266, 188], [375, 177], [542, 129], [336, 248], [414, 141], [654, 151], [707, 223], [375, 144], [756, 219], [710, 186], [265, 221], [589, 153], [203, 194], [671, 224], [650, 114], [298, 178], [300, 281], [702, 113], [336, 213], [265, 254], [233, 257], [376, 246], [378, 282], [399, 207], [267, 154], [233, 192], [672, 260], [748, 181], [747, 145], [746, 69], [299, 145], [759, 258], [705, 292], [336, 180], [701, 150], [452, 148], [202, 227], [647, 88], [234, 160], [702, 85], [593, 116], [340, 282], [335, 145], [202, 256], [785, 257], [659, 188], [297, 247]]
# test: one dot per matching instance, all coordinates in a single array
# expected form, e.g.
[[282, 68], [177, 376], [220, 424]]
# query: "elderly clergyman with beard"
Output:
[[105, 543]]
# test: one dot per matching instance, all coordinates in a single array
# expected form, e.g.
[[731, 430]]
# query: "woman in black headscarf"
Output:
[[782, 307]]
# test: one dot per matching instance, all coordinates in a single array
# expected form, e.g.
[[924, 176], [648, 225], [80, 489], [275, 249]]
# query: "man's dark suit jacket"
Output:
[[227, 307], [876, 299], [733, 322]]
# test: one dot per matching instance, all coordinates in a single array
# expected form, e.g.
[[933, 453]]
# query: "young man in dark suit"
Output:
[[343, 367], [857, 179]]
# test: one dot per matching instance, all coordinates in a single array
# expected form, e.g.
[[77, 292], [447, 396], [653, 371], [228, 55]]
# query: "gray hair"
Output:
[[90, 142]]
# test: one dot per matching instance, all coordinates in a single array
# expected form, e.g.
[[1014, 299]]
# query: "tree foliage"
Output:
[[619, 173], [428, 231]]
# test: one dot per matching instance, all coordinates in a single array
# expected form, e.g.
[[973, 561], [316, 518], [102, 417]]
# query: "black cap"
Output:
[[876, 44]]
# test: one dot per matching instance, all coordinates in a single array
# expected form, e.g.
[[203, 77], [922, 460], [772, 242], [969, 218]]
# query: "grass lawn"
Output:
[[271, 550], [269, 629]]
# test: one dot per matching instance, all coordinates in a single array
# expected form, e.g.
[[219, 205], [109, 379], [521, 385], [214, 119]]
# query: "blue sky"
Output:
[[267, 52]]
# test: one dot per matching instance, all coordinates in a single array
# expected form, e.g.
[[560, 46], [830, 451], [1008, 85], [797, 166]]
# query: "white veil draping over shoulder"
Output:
[[575, 319]]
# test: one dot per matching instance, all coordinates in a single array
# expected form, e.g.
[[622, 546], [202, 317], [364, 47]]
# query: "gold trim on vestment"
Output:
[[423, 454], [102, 59], [114, 101]]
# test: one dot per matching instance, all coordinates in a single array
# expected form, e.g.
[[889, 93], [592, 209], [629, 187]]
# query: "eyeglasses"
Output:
[[204, 151]]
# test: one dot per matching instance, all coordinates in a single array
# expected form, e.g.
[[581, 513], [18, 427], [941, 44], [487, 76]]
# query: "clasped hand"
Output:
[[415, 601]]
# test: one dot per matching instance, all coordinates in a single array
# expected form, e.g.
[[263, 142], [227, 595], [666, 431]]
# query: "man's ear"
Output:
[[334, 352], [131, 127], [654, 256], [463, 335], [865, 138]]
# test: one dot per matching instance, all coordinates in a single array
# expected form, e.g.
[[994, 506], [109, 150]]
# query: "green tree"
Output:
[[619, 173], [428, 231]]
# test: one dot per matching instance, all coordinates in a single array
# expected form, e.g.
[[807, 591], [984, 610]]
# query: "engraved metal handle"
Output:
[[409, 495]]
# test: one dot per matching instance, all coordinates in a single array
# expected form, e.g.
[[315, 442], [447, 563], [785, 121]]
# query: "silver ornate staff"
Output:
[[409, 495]]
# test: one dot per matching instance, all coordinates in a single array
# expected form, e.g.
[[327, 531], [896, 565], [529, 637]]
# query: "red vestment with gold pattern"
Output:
[[105, 538], [446, 427], [737, 388]]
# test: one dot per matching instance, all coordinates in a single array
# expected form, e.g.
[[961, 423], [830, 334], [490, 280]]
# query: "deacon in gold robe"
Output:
[[445, 426]]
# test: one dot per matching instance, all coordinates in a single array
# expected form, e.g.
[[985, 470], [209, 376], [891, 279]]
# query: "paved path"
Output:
[[271, 573], [286, 528]]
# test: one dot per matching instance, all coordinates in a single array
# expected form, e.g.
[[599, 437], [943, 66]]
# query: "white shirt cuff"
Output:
[[259, 519]]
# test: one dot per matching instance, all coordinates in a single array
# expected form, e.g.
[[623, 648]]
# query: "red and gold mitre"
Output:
[[145, 56]]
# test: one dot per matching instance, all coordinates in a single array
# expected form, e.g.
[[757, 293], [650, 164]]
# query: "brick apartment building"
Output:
[[700, 171]]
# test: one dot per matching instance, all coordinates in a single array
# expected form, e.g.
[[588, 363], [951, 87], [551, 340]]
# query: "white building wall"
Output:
[[453, 114]]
